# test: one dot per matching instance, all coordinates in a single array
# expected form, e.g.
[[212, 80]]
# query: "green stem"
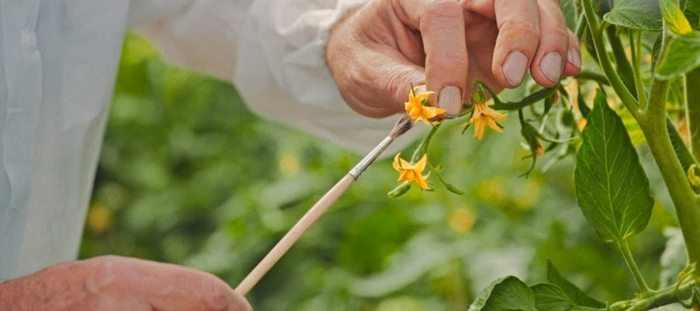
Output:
[[592, 75], [625, 248], [692, 109], [621, 62], [625, 95], [636, 47], [424, 145], [666, 296], [581, 26], [654, 127], [527, 101]]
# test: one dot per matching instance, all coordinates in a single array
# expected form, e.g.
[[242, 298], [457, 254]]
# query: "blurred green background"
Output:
[[189, 176]]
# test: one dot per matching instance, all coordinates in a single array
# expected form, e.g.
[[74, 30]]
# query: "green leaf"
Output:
[[636, 14], [505, 294], [568, 8], [572, 291], [611, 186], [693, 6], [673, 15], [549, 297], [681, 56], [633, 129]]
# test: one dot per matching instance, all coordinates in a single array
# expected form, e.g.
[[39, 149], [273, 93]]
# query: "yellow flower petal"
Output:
[[420, 165]]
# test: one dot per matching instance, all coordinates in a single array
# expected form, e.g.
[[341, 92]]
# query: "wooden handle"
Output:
[[294, 234]]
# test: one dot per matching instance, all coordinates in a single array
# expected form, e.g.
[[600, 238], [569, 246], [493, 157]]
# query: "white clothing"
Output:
[[58, 62]]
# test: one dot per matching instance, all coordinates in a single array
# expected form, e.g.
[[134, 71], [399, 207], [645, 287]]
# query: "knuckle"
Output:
[[103, 274], [216, 293], [399, 84], [443, 9], [521, 31]]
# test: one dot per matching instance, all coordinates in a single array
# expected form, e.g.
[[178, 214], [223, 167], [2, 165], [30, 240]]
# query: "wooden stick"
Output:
[[294, 234]]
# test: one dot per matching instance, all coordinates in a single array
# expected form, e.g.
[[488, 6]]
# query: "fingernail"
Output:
[[551, 66], [574, 58], [451, 100], [514, 68]]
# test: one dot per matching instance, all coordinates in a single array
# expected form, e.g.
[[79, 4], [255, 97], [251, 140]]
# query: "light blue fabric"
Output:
[[59, 62]]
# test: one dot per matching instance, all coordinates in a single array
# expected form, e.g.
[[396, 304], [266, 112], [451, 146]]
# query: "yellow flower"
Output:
[[412, 172], [483, 115], [417, 111]]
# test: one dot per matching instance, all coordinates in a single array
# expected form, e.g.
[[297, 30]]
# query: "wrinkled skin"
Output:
[[383, 47]]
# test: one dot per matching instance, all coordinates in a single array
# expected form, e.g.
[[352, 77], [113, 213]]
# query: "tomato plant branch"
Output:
[[604, 60], [527, 101], [662, 297], [592, 75], [632, 265], [654, 126]]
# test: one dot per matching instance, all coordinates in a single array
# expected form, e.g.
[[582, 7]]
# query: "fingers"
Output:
[[441, 24], [162, 286], [552, 52], [374, 74], [519, 34], [172, 287], [573, 56], [533, 35]]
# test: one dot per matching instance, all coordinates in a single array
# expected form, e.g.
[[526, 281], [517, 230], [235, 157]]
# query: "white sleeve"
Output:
[[275, 52]]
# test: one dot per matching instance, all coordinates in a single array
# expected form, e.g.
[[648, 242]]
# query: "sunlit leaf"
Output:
[[575, 294], [611, 186], [681, 56], [505, 294], [673, 15], [636, 14], [633, 129]]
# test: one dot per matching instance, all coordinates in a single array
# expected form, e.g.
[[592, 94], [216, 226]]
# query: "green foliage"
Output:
[[549, 297], [673, 15], [505, 294], [571, 291], [681, 56], [611, 186], [635, 14]]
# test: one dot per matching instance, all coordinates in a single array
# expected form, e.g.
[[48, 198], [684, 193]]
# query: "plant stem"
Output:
[[592, 75], [424, 145], [604, 60], [632, 265], [636, 47], [692, 110], [621, 62], [657, 299], [527, 101], [653, 124]]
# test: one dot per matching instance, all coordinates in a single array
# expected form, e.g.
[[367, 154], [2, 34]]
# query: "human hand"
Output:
[[119, 283], [377, 51]]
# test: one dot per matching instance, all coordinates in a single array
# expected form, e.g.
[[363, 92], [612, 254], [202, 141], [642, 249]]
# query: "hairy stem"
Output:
[[632, 265], [666, 296], [654, 127], [604, 60]]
